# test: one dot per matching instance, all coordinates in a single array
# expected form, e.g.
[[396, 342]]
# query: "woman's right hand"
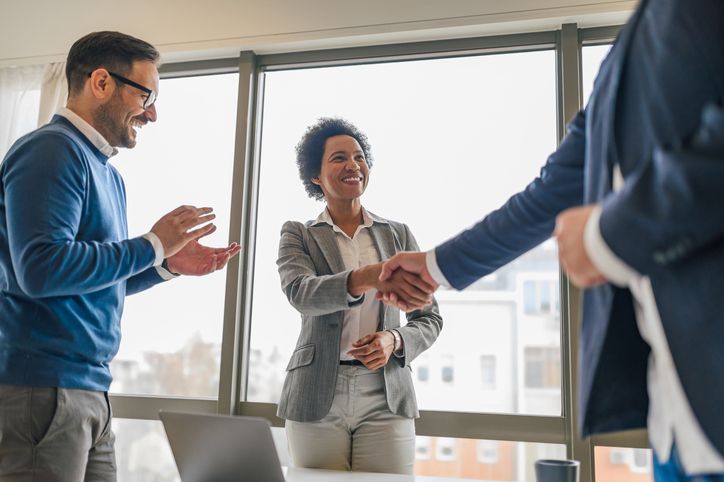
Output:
[[408, 291]]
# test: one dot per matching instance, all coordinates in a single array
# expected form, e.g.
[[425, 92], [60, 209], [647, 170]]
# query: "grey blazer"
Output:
[[314, 280]]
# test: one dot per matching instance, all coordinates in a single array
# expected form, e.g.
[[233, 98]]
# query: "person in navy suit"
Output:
[[635, 194]]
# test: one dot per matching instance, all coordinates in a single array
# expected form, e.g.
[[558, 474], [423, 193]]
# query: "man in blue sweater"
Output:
[[66, 264]]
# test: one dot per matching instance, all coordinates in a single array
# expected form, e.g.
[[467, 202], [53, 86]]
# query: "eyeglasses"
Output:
[[151, 94]]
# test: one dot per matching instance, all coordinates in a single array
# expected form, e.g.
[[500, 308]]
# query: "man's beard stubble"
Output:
[[111, 123]]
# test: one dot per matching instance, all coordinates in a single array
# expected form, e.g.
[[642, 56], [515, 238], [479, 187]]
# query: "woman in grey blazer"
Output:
[[348, 397]]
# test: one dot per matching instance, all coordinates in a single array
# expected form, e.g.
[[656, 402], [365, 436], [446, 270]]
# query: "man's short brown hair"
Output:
[[114, 51]]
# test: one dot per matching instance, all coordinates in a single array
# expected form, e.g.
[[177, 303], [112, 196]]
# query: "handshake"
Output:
[[402, 281]]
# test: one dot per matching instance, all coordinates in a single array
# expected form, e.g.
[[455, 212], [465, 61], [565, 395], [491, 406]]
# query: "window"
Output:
[[542, 367], [592, 56], [441, 124], [445, 449], [487, 371], [616, 464], [423, 373], [487, 451], [422, 448], [172, 332], [482, 459], [541, 297], [447, 370]]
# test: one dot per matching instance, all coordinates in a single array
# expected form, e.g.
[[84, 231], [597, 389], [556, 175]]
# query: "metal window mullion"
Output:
[[599, 35], [147, 407], [569, 103], [523, 42], [196, 68], [487, 426], [235, 338]]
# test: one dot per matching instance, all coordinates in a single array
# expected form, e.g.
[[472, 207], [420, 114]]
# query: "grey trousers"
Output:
[[359, 433], [55, 435]]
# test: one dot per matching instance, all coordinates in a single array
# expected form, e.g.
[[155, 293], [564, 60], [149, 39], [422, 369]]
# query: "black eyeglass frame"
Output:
[[151, 94]]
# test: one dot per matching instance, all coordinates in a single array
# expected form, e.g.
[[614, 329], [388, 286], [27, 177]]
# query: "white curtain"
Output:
[[19, 101], [53, 92], [29, 96]]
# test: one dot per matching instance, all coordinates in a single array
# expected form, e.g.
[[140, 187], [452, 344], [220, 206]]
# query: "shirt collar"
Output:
[[89, 131], [368, 219]]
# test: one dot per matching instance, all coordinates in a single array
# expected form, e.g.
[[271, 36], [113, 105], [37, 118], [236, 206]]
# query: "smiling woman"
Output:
[[351, 349]]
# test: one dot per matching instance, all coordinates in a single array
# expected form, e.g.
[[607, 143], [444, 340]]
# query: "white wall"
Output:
[[38, 31]]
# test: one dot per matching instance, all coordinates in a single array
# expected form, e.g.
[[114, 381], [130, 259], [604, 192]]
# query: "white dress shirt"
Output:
[[100, 143], [357, 251], [670, 415]]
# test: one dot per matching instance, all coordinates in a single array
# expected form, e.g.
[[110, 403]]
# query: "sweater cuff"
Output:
[[610, 265], [157, 248]]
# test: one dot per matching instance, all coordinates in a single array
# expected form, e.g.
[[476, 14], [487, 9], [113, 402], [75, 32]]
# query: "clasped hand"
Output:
[[405, 282], [570, 233], [374, 349]]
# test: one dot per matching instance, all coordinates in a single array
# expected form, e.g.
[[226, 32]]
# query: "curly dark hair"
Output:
[[311, 148]]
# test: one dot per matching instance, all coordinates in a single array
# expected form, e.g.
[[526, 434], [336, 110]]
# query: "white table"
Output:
[[294, 474]]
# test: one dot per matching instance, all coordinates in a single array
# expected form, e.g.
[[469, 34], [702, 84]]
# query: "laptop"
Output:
[[219, 448]]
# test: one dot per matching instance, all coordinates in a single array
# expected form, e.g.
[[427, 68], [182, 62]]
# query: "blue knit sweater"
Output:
[[65, 261]]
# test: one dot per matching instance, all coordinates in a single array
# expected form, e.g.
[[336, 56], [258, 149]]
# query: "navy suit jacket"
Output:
[[656, 111]]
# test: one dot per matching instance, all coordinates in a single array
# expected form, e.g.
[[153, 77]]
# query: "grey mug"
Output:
[[552, 470]]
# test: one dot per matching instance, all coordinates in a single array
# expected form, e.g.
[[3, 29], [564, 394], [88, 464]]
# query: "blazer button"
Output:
[[660, 257]]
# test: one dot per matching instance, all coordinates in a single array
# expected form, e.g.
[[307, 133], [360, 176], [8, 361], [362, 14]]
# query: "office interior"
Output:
[[436, 87]]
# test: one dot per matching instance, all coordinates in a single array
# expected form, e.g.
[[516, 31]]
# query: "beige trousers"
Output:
[[55, 435], [359, 433]]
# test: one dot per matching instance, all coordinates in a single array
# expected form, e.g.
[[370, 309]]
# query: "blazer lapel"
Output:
[[326, 239], [384, 239]]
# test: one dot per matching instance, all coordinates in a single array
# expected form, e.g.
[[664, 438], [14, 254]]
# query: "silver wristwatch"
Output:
[[398, 339]]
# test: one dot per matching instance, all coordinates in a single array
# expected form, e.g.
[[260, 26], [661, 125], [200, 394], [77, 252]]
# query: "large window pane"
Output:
[[592, 56], [481, 459], [172, 332], [452, 140]]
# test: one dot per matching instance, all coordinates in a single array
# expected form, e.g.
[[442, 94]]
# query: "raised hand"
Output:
[[194, 259], [174, 228], [374, 349]]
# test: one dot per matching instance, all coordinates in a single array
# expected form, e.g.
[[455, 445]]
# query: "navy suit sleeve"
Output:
[[524, 221], [45, 188], [672, 207]]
